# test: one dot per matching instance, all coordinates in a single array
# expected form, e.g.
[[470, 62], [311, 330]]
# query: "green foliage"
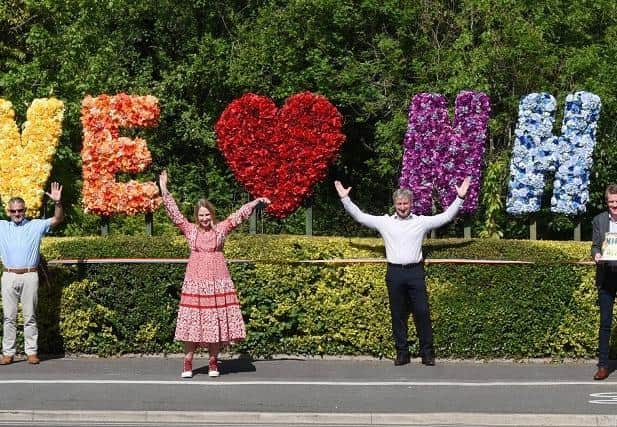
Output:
[[505, 305], [542, 308], [492, 199], [111, 309], [86, 325], [368, 57]]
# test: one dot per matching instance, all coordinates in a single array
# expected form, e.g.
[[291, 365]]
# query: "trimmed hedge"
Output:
[[544, 309]]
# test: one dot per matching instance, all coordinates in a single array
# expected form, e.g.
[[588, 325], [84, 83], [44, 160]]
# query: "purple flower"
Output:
[[439, 155]]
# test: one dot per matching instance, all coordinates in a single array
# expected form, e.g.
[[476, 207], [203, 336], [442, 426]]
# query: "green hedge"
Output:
[[544, 309]]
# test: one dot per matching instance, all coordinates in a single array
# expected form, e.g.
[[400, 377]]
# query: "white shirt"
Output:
[[403, 237]]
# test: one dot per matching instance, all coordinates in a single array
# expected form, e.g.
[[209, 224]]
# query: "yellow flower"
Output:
[[25, 163]]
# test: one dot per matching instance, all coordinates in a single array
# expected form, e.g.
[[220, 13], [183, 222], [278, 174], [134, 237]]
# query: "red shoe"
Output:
[[213, 367], [601, 374], [187, 368]]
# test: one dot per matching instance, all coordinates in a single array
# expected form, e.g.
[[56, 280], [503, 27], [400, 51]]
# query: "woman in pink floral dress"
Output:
[[209, 313]]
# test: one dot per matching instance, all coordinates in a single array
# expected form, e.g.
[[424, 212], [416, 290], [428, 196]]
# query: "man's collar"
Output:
[[396, 216], [22, 222]]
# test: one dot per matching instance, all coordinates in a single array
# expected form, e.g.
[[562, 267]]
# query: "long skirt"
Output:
[[209, 313]]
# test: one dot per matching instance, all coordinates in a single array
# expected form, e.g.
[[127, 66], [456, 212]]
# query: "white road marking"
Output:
[[609, 398], [219, 383]]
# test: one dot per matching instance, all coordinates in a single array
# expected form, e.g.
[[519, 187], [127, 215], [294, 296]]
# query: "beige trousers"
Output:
[[15, 288]]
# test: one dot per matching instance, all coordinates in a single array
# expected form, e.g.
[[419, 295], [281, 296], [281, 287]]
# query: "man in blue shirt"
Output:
[[20, 241]]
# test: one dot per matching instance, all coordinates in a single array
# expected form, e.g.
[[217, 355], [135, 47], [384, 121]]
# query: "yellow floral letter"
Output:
[[25, 162]]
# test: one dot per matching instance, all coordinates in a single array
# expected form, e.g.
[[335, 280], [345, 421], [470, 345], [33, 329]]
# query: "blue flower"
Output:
[[536, 151]]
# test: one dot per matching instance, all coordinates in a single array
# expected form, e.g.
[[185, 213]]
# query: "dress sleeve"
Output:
[[174, 213], [236, 218]]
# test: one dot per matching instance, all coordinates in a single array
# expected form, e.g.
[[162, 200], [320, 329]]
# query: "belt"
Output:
[[21, 270], [406, 266]]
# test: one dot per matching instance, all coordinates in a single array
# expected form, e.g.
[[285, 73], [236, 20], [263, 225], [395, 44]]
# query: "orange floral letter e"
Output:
[[105, 153]]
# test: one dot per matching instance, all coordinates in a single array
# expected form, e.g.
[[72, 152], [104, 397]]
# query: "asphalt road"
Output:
[[115, 424], [143, 390]]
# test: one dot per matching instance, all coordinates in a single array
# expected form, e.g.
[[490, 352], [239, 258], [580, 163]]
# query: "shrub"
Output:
[[545, 308]]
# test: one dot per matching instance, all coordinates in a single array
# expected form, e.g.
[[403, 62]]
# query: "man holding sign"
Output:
[[606, 277]]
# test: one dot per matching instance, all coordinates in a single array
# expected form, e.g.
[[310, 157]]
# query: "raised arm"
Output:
[[170, 206], [449, 214], [370, 221], [461, 190], [342, 191], [241, 215], [56, 196], [163, 178]]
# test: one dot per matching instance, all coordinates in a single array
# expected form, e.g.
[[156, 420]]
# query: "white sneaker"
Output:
[[187, 369], [213, 367]]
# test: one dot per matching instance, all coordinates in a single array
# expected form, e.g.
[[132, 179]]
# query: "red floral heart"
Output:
[[280, 153]]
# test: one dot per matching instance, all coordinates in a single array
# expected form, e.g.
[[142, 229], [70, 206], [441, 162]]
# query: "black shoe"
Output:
[[402, 358], [428, 358]]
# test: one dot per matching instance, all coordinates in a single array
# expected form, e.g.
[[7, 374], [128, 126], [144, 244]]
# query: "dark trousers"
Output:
[[606, 300], [407, 294]]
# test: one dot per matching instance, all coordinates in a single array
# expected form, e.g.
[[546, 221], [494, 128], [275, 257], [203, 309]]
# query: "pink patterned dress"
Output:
[[209, 308]]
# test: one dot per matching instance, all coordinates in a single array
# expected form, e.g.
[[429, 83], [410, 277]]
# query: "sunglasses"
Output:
[[14, 211]]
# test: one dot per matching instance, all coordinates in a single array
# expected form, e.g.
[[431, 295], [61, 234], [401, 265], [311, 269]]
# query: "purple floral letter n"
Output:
[[439, 155]]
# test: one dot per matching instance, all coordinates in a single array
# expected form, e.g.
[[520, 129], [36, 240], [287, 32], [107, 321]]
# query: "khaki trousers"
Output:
[[15, 288]]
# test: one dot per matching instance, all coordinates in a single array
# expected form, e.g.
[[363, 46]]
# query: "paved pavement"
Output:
[[306, 392]]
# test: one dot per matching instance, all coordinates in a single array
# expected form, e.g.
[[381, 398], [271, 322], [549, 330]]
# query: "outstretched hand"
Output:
[[342, 191], [56, 192], [461, 190], [163, 181]]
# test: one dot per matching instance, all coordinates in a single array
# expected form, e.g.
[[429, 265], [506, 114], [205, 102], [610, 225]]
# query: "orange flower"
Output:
[[105, 153]]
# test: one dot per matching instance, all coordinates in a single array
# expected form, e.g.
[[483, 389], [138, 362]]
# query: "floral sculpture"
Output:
[[537, 152], [439, 155], [26, 161], [105, 153], [280, 153]]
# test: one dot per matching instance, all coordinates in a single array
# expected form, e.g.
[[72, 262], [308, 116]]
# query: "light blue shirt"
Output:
[[20, 243]]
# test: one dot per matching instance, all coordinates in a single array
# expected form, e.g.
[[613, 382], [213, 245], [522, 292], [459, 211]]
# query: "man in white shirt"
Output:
[[403, 233]]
